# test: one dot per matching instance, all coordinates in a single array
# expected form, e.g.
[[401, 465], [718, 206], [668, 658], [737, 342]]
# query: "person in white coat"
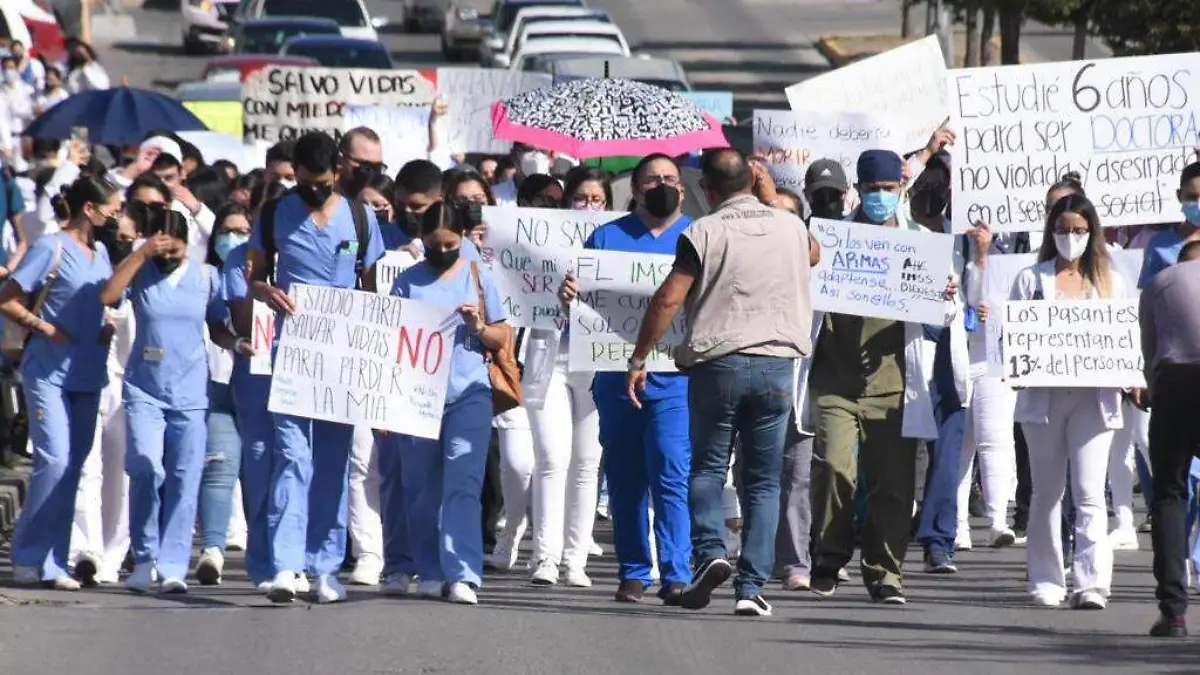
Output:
[[1069, 429]]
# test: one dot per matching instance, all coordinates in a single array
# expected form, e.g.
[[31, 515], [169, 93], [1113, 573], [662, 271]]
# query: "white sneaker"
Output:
[[27, 575], [1088, 600], [367, 570], [397, 584], [1042, 600], [595, 550], [86, 569], [755, 606], [283, 589], [173, 586], [462, 594], [210, 567], [577, 578], [1002, 538], [1124, 539], [263, 586], [141, 579], [430, 589], [302, 584], [546, 573], [63, 583], [961, 544], [329, 589]]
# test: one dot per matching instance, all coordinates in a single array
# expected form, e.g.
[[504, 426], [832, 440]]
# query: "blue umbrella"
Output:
[[117, 116]]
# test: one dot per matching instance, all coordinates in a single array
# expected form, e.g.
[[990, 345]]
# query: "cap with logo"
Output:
[[825, 173]]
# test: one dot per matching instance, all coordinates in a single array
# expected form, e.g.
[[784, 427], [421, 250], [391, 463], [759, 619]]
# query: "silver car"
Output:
[[464, 28]]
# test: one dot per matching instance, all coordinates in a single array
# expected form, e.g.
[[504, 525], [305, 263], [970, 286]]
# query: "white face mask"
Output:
[[534, 162], [287, 184], [1071, 246]]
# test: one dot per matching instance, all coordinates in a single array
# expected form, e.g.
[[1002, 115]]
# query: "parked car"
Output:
[[425, 16], [531, 16], [504, 15], [340, 52], [538, 52], [555, 30], [204, 23], [269, 35], [663, 73], [350, 15], [238, 68], [464, 29], [32, 26]]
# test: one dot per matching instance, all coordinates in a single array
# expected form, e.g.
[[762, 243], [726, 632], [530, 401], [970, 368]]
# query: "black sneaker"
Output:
[[754, 605], [708, 577], [887, 595], [938, 562], [671, 593], [823, 583], [1169, 626], [85, 571], [630, 590]]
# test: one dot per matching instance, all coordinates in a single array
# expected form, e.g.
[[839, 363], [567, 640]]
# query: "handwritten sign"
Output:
[[389, 267], [470, 93], [719, 104], [791, 141], [532, 250], [280, 103], [262, 338], [881, 272], [1073, 343], [907, 84], [615, 289], [360, 358], [403, 132], [1128, 126]]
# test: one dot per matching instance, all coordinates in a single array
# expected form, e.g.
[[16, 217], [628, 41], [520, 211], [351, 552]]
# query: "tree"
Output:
[[1148, 26], [1077, 13]]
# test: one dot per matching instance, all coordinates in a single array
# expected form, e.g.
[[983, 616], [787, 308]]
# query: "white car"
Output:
[[561, 30], [537, 52], [350, 15], [204, 23], [497, 52]]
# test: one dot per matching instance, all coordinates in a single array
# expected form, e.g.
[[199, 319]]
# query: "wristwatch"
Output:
[[636, 363]]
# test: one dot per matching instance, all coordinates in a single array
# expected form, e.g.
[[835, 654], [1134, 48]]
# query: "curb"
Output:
[[15, 473]]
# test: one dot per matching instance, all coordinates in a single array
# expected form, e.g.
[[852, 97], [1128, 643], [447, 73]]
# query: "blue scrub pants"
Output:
[[310, 479], [648, 451], [221, 465], [446, 475], [62, 425], [257, 429], [164, 458], [394, 450]]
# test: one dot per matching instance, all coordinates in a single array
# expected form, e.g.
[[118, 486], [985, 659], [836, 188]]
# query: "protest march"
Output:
[[410, 332]]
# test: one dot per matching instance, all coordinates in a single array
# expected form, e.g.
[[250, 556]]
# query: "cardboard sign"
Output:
[[403, 132], [531, 252], [389, 267], [881, 272], [906, 84], [1128, 126], [469, 95], [1072, 343], [615, 289], [280, 103], [719, 104], [792, 141], [359, 358], [262, 338]]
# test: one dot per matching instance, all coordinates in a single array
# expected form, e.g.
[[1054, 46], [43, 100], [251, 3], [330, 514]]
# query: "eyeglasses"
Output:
[[540, 202], [655, 181], [583, 200], [376, 167]]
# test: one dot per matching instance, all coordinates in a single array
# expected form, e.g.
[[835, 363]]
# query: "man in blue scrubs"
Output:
[[647, 451], [316, 243], [1163, 250]]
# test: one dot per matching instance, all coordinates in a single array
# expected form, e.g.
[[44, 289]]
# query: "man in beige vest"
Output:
[[743, 271]]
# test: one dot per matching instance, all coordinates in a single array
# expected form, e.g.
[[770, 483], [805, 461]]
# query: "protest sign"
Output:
[[222, 116], [881, 272], [615, 289], [469, 94], [262, 338], [360, 358], [791, 141], [1128, 126], [403, 132], [1072, 343], [719, 104], [389, 267], [531, 251], [906, 84], [285, 102]]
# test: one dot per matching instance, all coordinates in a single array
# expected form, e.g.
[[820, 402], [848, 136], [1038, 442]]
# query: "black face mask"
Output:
[[381, 216], [118, 249], [143, 213], [411, 223], [167, 265], [315, 194], [662, 201], [827, 204], [441, 260], [472, 212], [357, 180]]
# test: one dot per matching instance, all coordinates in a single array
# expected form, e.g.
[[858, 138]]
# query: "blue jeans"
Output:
[[222, 461], [752, 397], [939, 508], [251, 393], [397, 548]]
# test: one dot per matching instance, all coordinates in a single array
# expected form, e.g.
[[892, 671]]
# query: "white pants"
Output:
[[363, 522], [988, 435], [566, 484], [516, 478], [1076, 434], [101, 527], [1121, 469]]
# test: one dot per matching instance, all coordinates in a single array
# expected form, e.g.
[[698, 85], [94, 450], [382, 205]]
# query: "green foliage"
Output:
[[1148, 26]]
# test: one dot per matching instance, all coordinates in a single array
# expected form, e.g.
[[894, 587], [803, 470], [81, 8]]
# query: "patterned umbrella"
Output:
[[605, 117]]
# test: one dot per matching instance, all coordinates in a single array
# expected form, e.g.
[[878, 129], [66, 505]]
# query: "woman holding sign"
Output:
[[1069, 426], [442, 480]]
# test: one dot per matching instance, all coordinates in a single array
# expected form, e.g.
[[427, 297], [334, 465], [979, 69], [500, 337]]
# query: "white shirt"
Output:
[[20, 105], [506, 193], [88, 78], [48, 101]]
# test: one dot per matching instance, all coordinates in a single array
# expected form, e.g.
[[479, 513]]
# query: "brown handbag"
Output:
[[503, 371]]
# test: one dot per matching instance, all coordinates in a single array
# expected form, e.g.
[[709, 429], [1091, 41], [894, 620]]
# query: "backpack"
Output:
[[358, 211]]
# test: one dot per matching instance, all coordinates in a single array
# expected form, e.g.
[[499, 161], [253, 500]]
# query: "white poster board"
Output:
[[364, 359], [881, 272], [389, 267], [469, 94], [615, 289], [285, 102], [403, 132], [1128, 126], [907, 84], [531, 252], [1072, 343], [791, 141], [262, 338]]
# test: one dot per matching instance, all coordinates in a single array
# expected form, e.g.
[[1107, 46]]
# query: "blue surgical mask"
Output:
[[10, 76], [880, 206], [225, 243], [1191, 212]]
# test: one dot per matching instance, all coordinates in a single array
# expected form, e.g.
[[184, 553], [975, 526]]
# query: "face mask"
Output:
[[441, 260], [10, 76], [880, 206], [315, 195], [827, 204], [587, 206], [357, 180], [662, 201], [381, 216], [167, 265], [411, 223], [1191, 212], [287, 184], [118, 250], [1071, 246], [472, 211], [534, 162], [225, 243]]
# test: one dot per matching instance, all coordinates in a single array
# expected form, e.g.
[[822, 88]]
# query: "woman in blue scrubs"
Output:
[[63, 370], [166, 395], [443, 479]]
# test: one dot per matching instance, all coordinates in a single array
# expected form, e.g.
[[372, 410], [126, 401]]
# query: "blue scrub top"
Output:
[[73, 306], [168, 365], [393, 236], [628, 233], [1162, 252], [468, 370], [233, 275]]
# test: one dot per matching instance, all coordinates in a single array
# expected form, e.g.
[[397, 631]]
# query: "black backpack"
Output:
[[358, 211]]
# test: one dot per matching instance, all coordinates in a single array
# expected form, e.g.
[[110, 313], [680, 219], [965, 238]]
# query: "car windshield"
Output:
[[541, 62], [508, 12], [339, 56], [270, 39], [343, 12]]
